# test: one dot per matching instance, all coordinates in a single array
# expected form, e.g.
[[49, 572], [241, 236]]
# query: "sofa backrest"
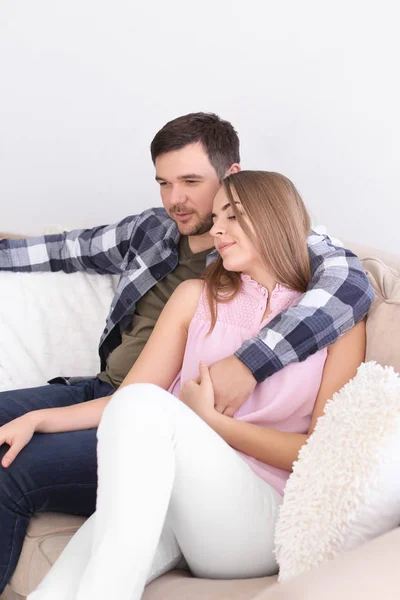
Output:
[[50, 323], [383, 322]]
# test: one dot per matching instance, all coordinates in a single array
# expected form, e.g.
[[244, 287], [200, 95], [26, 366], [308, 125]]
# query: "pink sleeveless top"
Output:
[[285, 401]]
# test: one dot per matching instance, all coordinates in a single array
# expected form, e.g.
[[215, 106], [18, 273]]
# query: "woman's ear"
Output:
[[235, 168]]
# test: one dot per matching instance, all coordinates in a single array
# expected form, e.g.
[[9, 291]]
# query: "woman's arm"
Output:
[[281, 449], [158, 363], [161, 359]]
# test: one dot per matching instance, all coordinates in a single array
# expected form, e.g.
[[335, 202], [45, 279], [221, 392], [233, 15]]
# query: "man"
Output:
[[153, 252]]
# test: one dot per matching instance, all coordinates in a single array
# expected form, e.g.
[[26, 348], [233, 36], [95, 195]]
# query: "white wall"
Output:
[[311, 87]]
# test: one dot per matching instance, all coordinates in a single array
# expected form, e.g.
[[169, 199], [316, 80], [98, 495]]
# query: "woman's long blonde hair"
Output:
[[281, 225]]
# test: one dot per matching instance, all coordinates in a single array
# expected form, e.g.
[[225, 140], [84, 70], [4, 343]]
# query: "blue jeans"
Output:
[[55, 472]]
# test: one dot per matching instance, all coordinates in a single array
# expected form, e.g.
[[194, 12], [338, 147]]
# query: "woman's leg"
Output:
[[64, 577], [184, 477], [187, 490], [63, 580]]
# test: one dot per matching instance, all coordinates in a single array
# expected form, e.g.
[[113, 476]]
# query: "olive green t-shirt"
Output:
[[147, 311]]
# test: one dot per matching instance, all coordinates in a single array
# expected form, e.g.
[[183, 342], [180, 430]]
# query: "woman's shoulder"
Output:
[[190, 288], [187, 295], [184, 300]]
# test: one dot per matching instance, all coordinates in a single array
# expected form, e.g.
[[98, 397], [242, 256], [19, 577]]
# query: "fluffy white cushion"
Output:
[[345, 486], [50, 325]]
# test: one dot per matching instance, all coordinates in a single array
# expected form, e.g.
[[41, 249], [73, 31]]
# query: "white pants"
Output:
[[168, 485]]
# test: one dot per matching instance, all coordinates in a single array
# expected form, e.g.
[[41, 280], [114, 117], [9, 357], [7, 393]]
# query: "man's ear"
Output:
[[235, 168]]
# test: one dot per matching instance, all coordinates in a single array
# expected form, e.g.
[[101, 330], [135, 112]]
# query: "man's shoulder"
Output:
[[153, 225], [156, 212], [151, 218], [324, 246]]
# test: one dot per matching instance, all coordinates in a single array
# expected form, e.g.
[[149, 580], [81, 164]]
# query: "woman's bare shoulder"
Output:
[[186, 297]]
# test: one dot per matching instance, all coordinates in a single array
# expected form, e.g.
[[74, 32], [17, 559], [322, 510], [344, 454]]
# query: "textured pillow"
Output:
[[345, 485], [50, 325]]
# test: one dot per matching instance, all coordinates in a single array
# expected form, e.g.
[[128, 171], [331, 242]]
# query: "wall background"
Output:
[[312, 88]]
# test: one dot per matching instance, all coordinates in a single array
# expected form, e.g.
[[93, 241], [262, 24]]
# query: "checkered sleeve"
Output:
[[98, 250], [339, 296]]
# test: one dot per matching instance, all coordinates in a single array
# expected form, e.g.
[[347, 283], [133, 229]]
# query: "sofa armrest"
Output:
[[365, 573]]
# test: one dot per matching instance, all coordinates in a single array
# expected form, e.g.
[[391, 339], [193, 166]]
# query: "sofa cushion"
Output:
[[178, 585], [47, 536], [49, 533], [42, 315]]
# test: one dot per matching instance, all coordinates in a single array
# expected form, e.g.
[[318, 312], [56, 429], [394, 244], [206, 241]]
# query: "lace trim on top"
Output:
[[248, 306]]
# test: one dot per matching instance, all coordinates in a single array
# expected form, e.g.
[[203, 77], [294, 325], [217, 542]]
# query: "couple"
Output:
[[181, 477]]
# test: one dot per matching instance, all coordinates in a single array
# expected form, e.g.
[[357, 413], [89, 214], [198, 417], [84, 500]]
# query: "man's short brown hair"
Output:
[[218, 137]]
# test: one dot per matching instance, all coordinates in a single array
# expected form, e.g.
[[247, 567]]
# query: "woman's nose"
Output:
[[216, 229]]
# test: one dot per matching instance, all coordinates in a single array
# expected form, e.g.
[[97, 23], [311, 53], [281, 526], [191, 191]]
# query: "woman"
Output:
[[176, 477]]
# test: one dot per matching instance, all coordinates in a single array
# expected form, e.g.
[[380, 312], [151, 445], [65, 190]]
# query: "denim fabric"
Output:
[[55, 472]]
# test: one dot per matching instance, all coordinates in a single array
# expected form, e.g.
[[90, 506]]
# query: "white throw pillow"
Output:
[[345, 485], [50, 325]]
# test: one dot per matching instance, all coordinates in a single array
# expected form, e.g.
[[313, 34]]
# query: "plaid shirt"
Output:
[[143, 249]]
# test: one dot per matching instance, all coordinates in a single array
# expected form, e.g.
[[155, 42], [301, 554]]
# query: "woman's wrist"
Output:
[[215, 419], [36, 418]]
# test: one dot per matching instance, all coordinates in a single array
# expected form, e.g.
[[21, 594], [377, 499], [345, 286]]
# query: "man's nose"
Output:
[[177, 196]]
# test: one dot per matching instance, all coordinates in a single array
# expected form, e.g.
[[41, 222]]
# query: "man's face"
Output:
[[188, 185]]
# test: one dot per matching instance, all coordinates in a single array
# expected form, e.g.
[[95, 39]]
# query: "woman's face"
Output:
[[236, 249]]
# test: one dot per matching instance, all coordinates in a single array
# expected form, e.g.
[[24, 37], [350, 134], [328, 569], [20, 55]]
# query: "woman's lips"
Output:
[[224, 247]]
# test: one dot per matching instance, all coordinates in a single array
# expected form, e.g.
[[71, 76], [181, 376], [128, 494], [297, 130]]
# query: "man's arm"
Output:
[[281, 448], [339, 297], [98, 250]]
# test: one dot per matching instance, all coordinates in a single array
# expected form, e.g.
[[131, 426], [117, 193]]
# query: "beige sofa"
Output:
[[369, 572]]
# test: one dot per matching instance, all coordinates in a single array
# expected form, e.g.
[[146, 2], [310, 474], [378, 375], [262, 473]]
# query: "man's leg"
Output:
[[53, 473], [16, 403]]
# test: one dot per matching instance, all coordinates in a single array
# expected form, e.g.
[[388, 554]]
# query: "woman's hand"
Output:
[[198, 394], [17, 434]]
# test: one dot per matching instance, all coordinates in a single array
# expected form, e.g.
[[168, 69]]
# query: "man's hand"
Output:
[[233, 383], [17, 434], [198, 394]]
